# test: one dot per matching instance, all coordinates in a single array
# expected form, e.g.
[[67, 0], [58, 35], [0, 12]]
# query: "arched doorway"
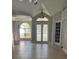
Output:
[[42, 28], [25, 31]]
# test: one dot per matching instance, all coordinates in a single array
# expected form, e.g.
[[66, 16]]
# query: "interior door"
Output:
[[42, 33], [45, 32]]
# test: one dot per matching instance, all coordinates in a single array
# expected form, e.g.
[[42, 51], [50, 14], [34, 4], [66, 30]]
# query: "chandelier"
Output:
[[42, 14]]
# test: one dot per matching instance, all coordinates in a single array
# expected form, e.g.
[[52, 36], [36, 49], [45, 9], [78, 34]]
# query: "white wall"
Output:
[[15, 29], [60, 16], [64, 30]]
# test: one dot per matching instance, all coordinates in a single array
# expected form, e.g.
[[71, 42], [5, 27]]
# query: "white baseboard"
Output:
[[65, 50]]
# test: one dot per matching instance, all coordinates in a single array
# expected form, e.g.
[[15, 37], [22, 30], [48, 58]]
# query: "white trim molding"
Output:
[[64, 50]]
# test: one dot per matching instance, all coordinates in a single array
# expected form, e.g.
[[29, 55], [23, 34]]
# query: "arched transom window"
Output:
[[42, 19]]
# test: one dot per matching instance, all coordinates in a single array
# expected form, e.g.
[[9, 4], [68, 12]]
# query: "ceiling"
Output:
[[50, 7]]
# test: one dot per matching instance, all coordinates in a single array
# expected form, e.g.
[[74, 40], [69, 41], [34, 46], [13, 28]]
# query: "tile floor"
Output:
[[29, 50]]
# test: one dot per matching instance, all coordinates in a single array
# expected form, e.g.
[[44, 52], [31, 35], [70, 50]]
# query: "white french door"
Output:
[[42, 33], [38, 32], [45, 32]]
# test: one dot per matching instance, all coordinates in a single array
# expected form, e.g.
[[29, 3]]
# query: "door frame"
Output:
[[41, 23], [34, 22]]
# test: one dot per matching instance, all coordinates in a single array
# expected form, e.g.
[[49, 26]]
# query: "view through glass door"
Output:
[[42, 32]]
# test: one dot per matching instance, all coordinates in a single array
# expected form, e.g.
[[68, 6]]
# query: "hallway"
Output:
[[29, 50]]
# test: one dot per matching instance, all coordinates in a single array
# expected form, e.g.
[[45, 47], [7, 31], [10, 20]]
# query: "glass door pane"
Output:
[[38, 32], [45, 32]]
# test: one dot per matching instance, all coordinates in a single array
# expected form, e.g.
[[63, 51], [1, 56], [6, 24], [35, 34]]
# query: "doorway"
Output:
[[42, 29], [42, 32]]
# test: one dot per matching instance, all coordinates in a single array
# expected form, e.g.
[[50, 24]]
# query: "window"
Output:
[[25, 30], [57, 32], [42, 19]]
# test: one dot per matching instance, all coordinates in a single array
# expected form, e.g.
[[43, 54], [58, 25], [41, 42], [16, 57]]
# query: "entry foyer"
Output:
[[39, 29]]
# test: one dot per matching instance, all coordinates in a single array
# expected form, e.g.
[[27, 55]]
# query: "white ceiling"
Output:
[[49, 6]]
